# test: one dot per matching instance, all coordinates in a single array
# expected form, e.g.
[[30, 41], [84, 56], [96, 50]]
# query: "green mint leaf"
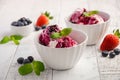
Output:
[[25, 69], [17, 37], [65, 31], [5, 39], [15, 40], [86, 14], [93, 12], [90, 13], [38, 67], [55, 35]]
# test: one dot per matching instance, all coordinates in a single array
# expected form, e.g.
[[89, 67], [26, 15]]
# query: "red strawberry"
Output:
[[110, 41], [43, 19]]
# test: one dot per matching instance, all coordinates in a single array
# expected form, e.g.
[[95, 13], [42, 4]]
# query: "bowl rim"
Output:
[[91, 25], [83, 42]]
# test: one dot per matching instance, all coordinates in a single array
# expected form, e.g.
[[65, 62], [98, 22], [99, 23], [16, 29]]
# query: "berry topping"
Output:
[[82, 16], [20, 60]]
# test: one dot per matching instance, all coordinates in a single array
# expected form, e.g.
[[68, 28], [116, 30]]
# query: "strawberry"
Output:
[[110, 41], [43, 19]]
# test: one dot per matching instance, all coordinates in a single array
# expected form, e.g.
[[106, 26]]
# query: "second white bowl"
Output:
[[95, 32]]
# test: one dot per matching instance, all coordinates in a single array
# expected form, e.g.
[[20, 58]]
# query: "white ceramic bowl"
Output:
[[62, 58], [22, 30], [95, 32]]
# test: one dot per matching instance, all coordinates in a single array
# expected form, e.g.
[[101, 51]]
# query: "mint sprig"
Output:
[[14, 38], [36, 66], [25, 69], [90, 13], [5, 39], [64, 32]]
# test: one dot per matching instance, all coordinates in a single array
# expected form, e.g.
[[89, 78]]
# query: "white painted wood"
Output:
[[90, 67]]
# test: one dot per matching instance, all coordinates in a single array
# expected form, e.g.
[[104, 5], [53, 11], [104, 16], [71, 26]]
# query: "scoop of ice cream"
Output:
[[63, 42], [78, 17], [66, 42], [44, 38]]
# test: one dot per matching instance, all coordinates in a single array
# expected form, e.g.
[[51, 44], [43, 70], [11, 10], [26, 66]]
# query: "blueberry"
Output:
[[14, 23], [28, 21], [25, 23], [105, 53], [37, 28], [20, 23], [111, 55], [20, 60], [117, 51], [30, 58], [26, 61], [22, 19], [43, 27]]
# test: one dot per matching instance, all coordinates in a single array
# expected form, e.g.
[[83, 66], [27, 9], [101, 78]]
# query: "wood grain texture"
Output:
[[91, 65]]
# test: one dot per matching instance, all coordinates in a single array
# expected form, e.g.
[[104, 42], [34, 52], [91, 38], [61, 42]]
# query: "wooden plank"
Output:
[[86, 69], [109, 68], [6, 55], [25, 49], [13, 10]]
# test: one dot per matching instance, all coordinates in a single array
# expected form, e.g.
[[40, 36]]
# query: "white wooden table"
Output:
[[90, 67]]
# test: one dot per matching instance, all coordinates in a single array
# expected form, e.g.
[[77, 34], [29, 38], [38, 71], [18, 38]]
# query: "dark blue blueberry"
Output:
[[20, 23], [22, 19], [37, 28], [20, 60], [117, 51], [111, 55], [25, 23], [14, 24], [105, 53], [43, 27], [26, 61], [30, 58], [28, 21]]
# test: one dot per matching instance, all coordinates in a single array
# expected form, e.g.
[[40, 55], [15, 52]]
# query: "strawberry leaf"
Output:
[[116, 32], [47, 13], [51, 17]]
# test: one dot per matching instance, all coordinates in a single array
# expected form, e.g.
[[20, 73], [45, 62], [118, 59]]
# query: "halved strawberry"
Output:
[[43, 19], [110, 41]]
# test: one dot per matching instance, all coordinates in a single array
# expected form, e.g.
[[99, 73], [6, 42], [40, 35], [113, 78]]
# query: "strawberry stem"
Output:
[[116, 32], [48, 15]]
